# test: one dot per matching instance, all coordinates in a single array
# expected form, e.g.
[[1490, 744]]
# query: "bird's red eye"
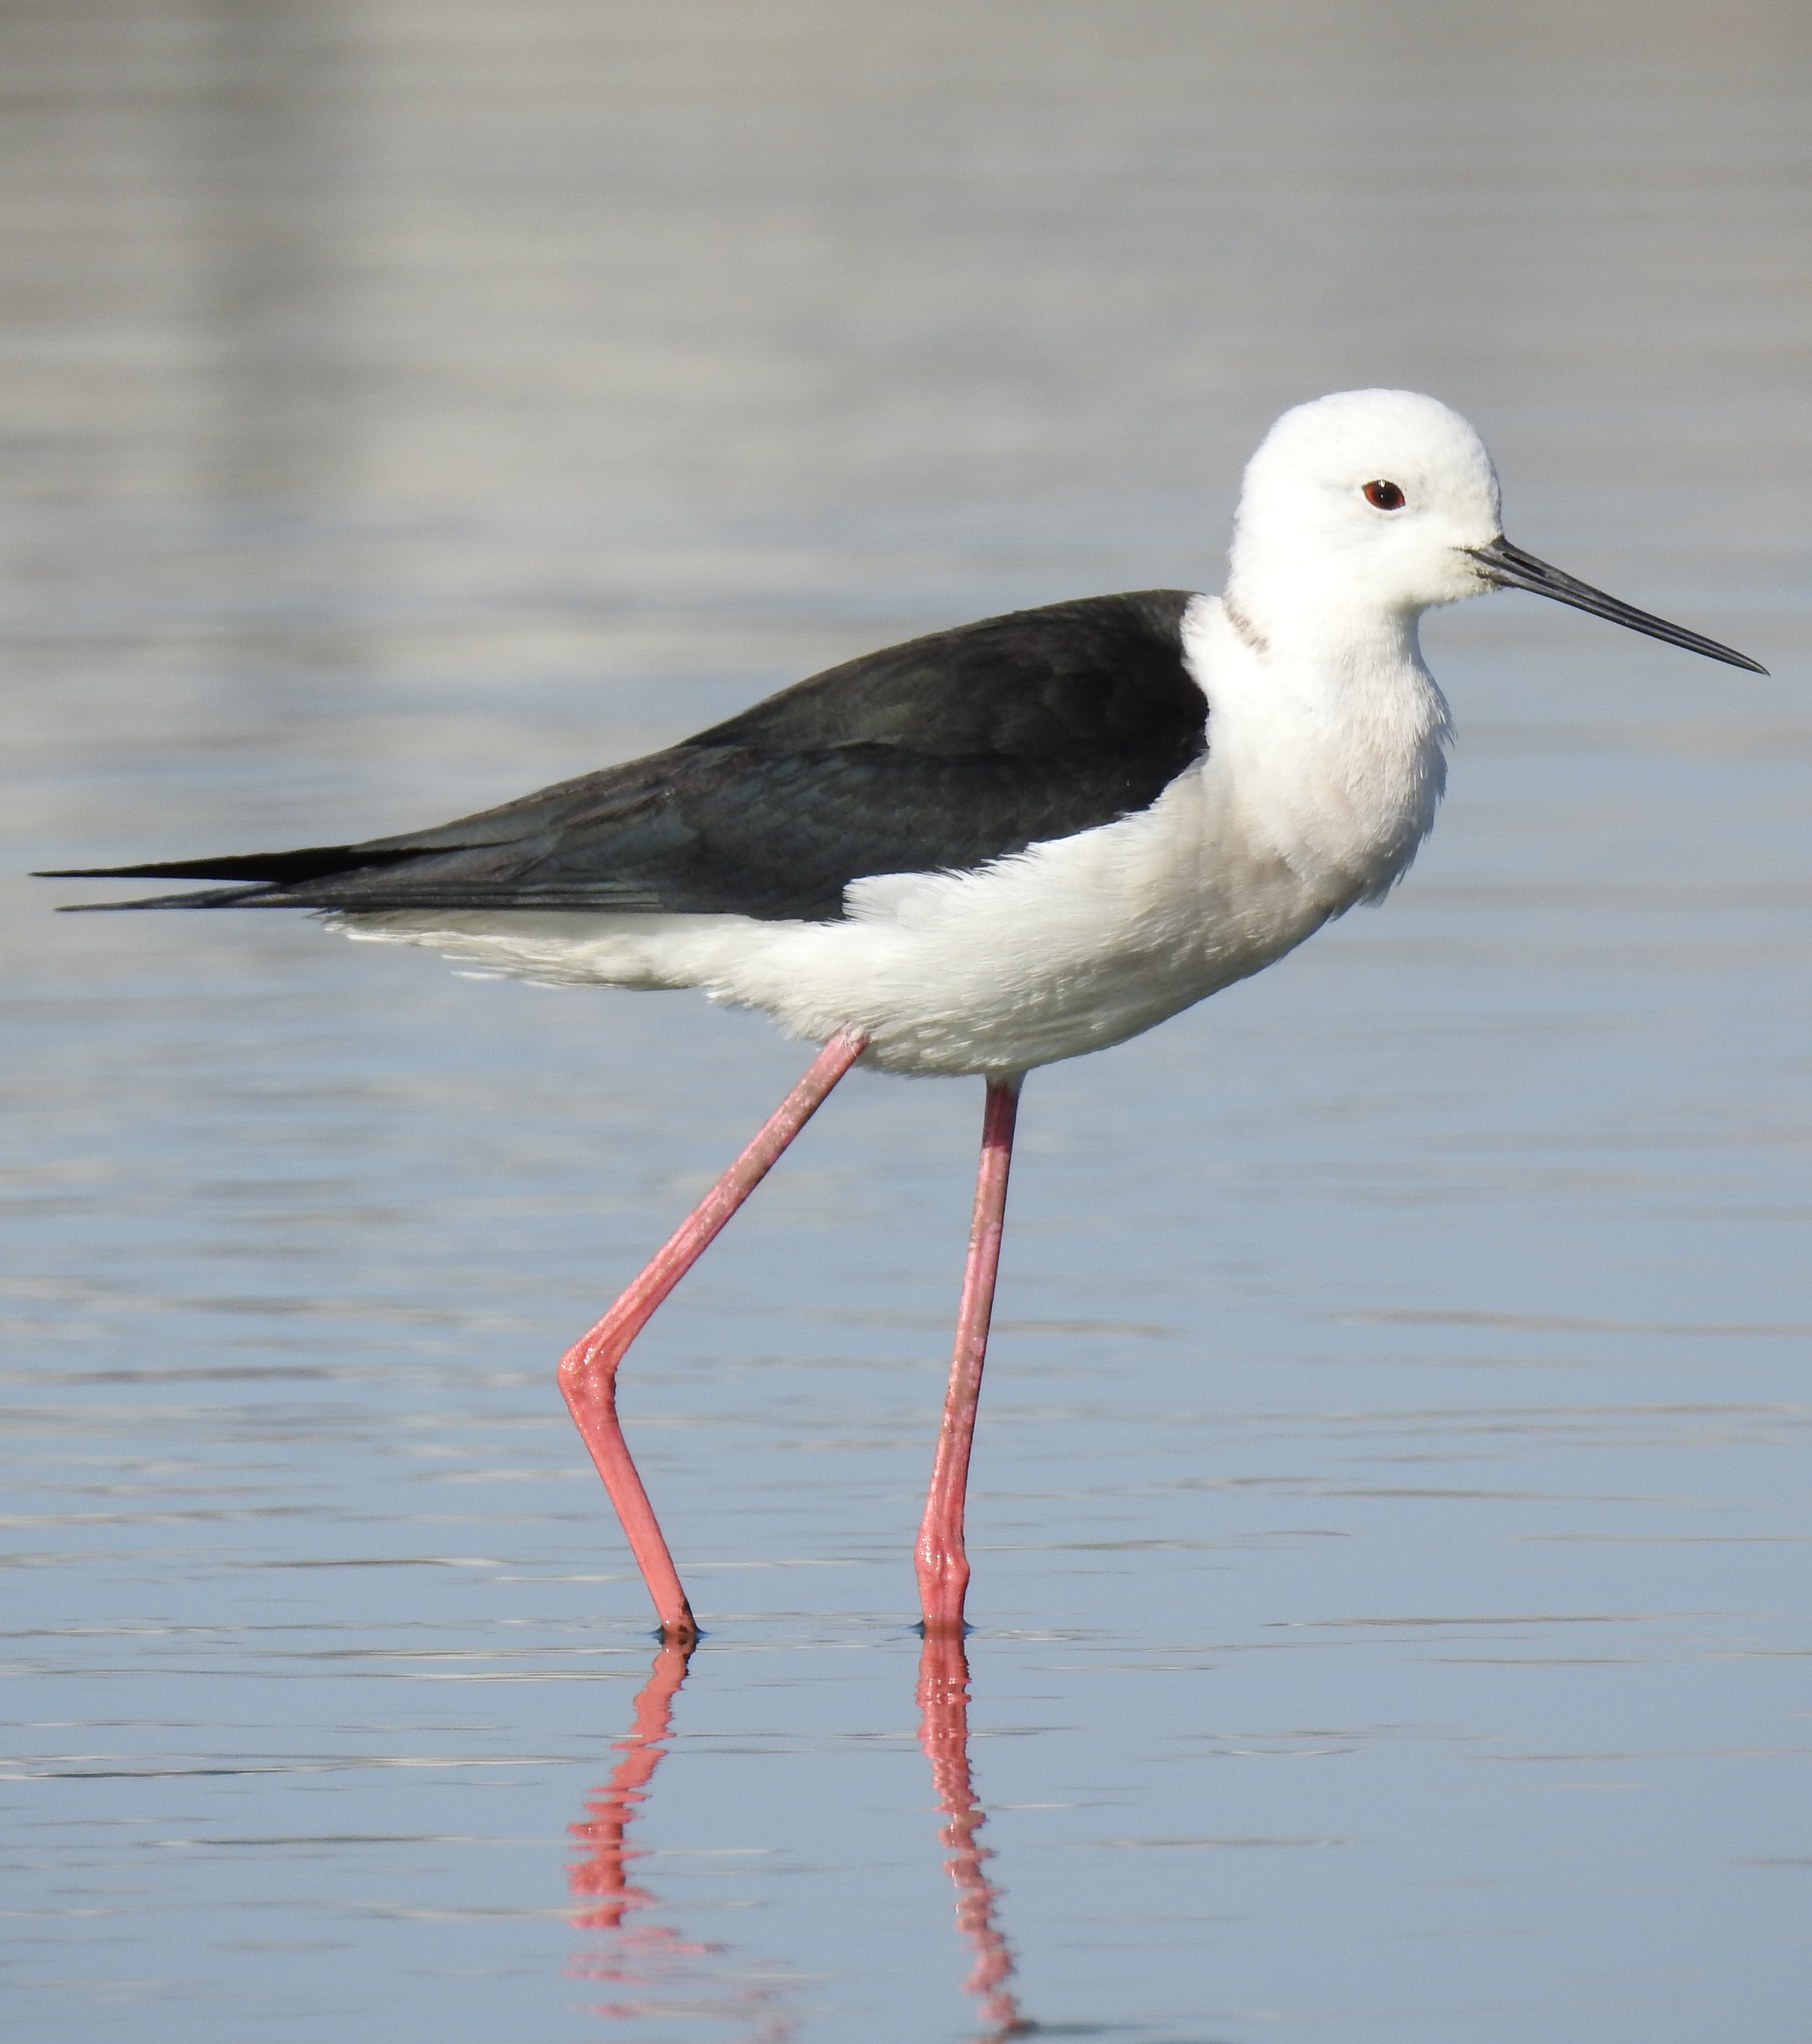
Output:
[[1383, 496]]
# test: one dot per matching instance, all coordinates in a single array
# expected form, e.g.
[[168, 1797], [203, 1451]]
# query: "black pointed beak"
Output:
[[1509, 567]]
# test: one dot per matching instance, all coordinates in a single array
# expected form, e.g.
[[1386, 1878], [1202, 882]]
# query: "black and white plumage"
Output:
[[940, 754], [1023, 839]]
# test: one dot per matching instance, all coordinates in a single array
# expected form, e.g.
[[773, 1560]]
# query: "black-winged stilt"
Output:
[[992, 848]]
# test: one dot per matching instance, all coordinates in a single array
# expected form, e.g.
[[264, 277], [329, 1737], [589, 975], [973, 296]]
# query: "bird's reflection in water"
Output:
[[943, 1732], [604, 1873], [652, 1970], [655, 1971]]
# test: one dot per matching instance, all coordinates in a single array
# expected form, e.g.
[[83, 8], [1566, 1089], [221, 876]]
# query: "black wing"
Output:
[[938, 754]]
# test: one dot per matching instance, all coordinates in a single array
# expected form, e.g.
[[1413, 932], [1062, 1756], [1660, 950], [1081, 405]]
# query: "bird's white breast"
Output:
[[1315, 793], [1330, 753]]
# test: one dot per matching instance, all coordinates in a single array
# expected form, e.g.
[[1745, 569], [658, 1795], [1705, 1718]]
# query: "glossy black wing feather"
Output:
[[1100, 674], [938, 754]]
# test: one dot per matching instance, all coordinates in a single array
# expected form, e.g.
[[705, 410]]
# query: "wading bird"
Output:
[[992, 848]]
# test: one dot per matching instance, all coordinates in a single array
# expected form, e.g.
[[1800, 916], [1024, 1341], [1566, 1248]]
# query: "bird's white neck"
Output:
[[1326, 735]]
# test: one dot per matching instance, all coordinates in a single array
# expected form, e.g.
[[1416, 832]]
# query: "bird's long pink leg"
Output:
[[588, 1370], [943, 1567]]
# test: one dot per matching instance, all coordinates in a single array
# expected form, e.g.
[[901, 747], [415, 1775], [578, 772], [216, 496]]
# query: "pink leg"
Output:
[[943, 1567], [588, 1370]]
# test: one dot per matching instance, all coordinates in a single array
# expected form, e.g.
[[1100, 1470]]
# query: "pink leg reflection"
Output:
[[605, 1874], [943, 1732], [655, 1970]]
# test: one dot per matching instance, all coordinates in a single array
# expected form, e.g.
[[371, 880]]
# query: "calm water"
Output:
[[1391, 1515]]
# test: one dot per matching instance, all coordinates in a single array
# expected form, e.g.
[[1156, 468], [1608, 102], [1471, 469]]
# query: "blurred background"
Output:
[[1390, 1508]]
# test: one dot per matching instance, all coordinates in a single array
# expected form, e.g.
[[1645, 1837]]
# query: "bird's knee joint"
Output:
[[583, 1381]]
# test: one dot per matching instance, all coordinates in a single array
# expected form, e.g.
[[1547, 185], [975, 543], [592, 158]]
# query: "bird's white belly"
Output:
[[1064, 948]]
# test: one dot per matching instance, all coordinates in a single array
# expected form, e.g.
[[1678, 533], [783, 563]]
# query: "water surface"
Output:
[[1390, 1508]]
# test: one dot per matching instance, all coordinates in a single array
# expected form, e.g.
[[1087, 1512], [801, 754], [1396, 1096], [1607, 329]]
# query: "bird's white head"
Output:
[[1364, 509], [1368, 502]]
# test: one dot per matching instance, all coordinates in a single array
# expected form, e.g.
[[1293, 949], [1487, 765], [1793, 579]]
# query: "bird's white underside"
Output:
[[1320, 782]]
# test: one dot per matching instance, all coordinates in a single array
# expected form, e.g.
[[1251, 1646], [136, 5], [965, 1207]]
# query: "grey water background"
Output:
[[1390, 1508]]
